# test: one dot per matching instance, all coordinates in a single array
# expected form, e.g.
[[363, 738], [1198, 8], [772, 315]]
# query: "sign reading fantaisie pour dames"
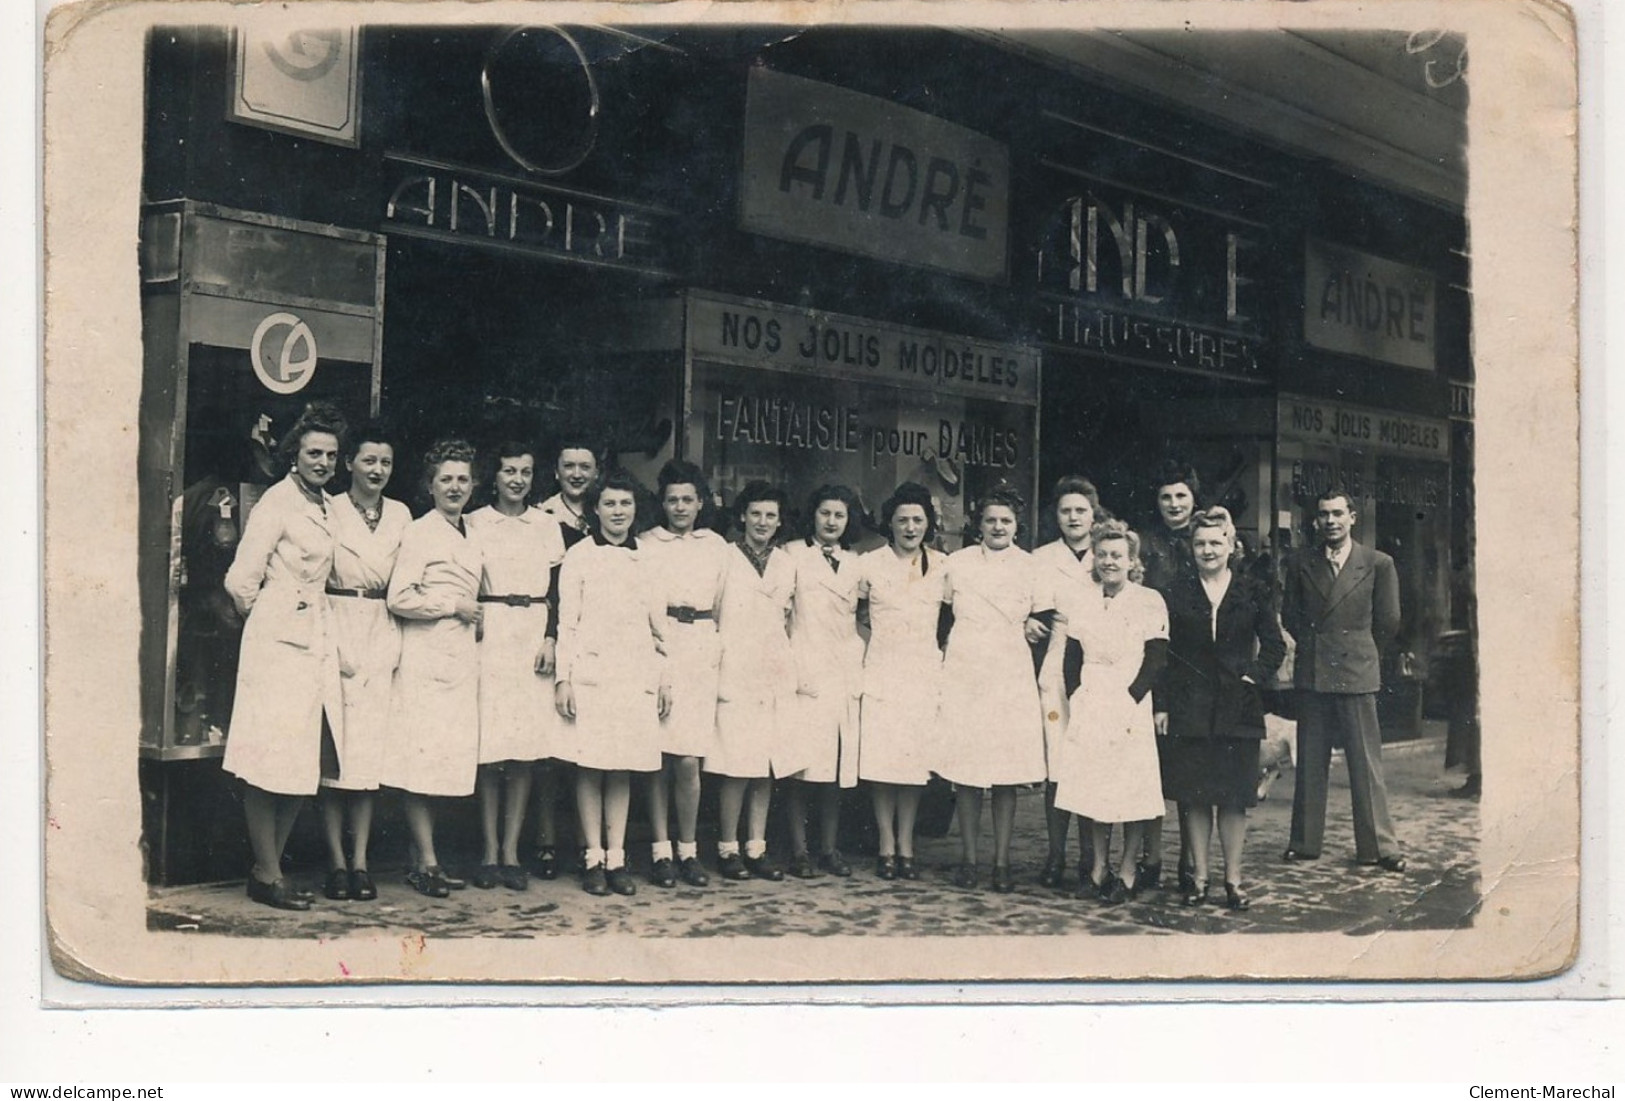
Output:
[[832, 167]]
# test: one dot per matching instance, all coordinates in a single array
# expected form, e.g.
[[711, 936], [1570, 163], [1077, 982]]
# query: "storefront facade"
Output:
[[808, 257]]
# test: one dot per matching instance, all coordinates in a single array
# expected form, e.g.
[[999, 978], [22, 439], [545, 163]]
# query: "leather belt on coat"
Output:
[[682, 613], [512, 600], [364, 594]]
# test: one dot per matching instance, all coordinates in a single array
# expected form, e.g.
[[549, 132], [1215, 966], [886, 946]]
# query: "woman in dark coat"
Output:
[[1223, 642]]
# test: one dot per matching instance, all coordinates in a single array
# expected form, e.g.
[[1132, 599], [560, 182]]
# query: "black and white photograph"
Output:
[[559, 496]]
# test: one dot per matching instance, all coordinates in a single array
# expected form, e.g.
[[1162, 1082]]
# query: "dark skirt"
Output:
[[1210, 771]]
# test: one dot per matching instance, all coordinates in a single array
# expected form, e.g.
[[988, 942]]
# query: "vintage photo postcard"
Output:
[[595, 493]]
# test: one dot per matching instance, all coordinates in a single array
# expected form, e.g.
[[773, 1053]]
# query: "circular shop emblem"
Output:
[[293, 360], [305, 55], [541, 99]]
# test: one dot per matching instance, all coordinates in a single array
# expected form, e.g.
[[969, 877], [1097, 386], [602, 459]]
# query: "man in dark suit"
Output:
[[1341, 605]]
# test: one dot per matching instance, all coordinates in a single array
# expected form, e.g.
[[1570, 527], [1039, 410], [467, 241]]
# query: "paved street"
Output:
[[1440, 890]]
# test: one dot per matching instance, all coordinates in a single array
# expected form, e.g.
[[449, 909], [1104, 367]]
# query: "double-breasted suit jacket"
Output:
[[1210, 651], [1340, 620]]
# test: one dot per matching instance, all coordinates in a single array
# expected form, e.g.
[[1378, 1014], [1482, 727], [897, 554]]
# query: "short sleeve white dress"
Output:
[[1109, 769]]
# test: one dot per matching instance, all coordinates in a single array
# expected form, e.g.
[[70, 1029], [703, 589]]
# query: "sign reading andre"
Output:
[[841, 169], [1363, 305]]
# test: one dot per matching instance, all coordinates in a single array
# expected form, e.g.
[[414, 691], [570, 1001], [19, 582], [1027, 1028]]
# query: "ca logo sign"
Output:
[[292, 347]]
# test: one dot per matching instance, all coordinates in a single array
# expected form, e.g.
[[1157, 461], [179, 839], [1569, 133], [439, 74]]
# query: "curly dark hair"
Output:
[[909, 493], [372, 431], [318, 416], [1001, 494], [1331, 493], [507, 449], [677, 472], [448, 451], [758, 491], [847, 497], [1172, 473], [616, 479]]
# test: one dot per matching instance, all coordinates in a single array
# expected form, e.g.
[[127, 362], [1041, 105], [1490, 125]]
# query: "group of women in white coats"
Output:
[[363, 664], [446, 655]]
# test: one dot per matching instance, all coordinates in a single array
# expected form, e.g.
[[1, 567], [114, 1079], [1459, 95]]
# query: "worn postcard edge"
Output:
[[1522, 213]]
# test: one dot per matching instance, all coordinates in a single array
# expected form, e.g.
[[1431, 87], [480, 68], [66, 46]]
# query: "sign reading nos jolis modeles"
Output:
[[832, 167]]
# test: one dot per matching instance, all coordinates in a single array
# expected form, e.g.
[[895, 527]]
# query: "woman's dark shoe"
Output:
[[619, 880], [834, 863], [276, 895], [692, 872], [337, 886], [1296, 856], [1122, 892], [886, 867], [361, 886], [663, 873], [1196, 896], [801, 866], [1148, 876], [594, 881], [906, 868], [1054, 868], [965, 876], [1187, 881], [1090, 887], [513, 877], [429, 882], [547, 862], [487, 876], [732, 866], [1003, 881], [762, 867], [1234, 899], [452, 882]]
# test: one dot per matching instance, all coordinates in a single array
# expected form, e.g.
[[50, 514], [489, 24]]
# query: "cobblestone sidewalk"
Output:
[[1440, 890]]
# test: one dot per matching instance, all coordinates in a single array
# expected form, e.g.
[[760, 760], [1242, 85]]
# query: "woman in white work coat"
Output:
[[902, 585], [755, 684], [990, 725], [612, 687], [368, 528], [521, 549], [688, 561], [288, 674], [434, 720], [1116, 647], [1064, 566], [829, 673]]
